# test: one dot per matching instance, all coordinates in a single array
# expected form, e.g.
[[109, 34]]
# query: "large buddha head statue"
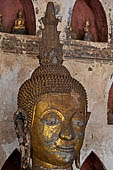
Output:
[[52, 108]]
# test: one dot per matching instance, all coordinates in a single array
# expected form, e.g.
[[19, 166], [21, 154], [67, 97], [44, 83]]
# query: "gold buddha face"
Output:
[[58, 129]]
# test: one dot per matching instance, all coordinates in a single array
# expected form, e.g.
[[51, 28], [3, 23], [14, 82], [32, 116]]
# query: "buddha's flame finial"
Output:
[[50, 13], [50, 47]]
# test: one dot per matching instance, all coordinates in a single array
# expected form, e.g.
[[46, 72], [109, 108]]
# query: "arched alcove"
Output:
[[92, 162], [9, 10], [93, 11]]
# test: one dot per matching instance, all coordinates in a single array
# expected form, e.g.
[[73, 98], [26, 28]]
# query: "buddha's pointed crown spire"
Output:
[[50, 47]]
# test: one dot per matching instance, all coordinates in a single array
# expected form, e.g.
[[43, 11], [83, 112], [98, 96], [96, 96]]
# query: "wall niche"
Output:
[[93, 162], [9, 11], [89, 21]]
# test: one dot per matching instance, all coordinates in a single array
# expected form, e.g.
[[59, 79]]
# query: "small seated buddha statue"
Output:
[[52, 110], [19, 27], [1, 25], [88, 35]]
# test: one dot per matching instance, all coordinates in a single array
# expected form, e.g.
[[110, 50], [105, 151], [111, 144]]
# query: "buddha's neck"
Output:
[[45, 166]]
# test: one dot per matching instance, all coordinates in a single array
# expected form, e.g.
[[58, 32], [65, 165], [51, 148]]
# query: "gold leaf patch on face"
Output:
[[58, 128]]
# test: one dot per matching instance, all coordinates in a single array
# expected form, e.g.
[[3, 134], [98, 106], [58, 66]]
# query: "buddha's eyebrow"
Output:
[[74, 110], [52, 110], [78, 113], [71, 112]]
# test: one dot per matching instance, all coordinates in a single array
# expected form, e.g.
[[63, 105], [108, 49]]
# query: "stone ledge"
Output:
[[20, 44], [72, 49], [88, 50]]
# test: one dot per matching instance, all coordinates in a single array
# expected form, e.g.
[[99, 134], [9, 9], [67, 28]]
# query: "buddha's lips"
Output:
[[66, 148]]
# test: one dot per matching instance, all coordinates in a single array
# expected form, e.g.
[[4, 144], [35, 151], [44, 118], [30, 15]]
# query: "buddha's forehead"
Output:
[[62, 102]]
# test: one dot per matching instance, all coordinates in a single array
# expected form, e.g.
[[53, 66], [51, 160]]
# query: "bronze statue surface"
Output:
[[52, 108]]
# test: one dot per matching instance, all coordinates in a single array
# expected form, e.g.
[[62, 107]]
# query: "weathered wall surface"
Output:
[[18, 60], [64, 12]]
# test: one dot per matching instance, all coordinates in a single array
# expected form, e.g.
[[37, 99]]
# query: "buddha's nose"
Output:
[[66, 132]]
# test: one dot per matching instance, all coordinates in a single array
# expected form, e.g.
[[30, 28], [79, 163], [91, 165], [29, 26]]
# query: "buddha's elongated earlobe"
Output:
[[77, 161]]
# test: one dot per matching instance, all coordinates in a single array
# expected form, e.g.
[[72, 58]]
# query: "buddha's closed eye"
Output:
[[77, 122], [51, 119], [78, 119]]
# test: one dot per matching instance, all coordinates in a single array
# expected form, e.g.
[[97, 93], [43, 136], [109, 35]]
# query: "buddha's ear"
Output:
[[87, 116]]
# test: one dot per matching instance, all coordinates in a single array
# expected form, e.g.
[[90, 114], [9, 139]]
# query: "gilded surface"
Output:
[[61, 132], [19, 26]]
